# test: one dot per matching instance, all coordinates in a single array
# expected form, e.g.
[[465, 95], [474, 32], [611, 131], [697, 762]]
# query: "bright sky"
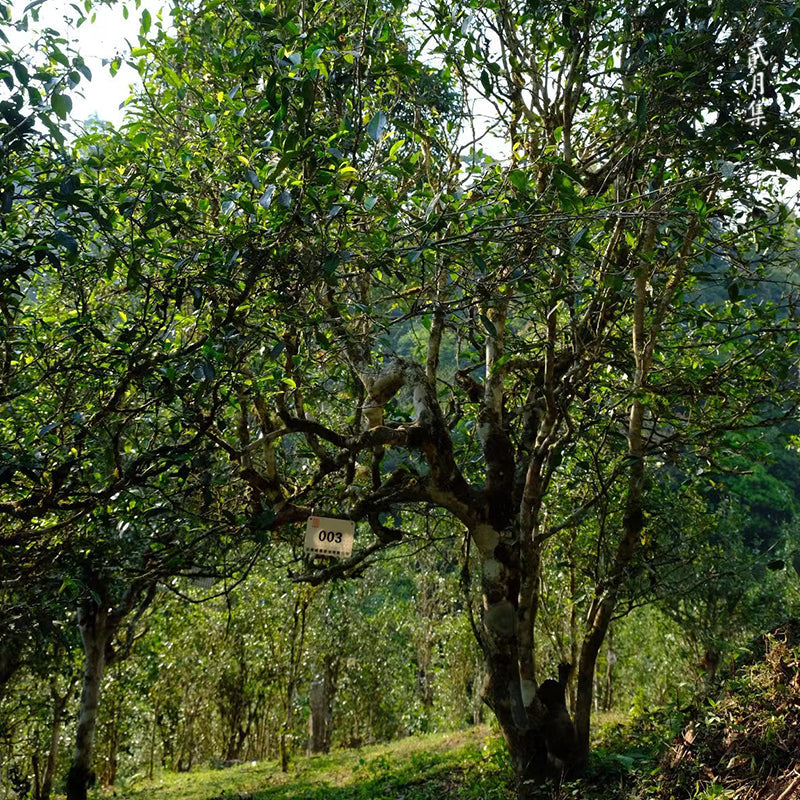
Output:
[[95, 41]]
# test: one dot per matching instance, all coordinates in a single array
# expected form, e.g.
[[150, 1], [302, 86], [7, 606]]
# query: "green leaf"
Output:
[[377, 125], [146, 21], [489, 325], [786, 166], [269, 92], [518, 179], [211, 121], [172, 77], [277, 349], [330, 264], [641, 110], [203, 371], [266, 199], [285, 159], [69, 185], [61, 104], [21, 71], [67, 241], [395, 147]]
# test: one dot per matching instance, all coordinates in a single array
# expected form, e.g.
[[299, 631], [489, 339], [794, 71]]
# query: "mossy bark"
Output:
[[93, 622]]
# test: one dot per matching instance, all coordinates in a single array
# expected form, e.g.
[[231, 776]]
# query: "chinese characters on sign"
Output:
[[755, 64]]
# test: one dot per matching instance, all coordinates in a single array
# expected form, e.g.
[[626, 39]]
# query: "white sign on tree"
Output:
[[330, 537]]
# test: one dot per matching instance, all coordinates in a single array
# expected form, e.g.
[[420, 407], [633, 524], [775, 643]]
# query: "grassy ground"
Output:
[[468, 765], [742, 744]]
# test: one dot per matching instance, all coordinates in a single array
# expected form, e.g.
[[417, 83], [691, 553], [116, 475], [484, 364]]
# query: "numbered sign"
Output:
[[330, 537]]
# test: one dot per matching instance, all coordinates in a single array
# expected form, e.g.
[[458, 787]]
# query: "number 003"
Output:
[[330, 536]]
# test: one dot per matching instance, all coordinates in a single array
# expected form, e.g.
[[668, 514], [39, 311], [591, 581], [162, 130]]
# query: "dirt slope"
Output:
[[745, 745]]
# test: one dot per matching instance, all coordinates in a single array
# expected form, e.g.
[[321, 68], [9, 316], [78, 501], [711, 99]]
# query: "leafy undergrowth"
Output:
[[746, 745], [468, 765], [625, 752]]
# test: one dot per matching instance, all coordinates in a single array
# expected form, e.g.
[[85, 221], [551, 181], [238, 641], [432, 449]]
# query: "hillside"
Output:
[[746, 744], [743, 745], [466, 764]]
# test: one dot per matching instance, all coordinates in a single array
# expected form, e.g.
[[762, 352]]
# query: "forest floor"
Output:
[[743, 744], [467, 764], [463, 765]]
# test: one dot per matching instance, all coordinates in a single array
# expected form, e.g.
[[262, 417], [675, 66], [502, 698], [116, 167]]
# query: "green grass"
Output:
[[759, 707], [467, 765]]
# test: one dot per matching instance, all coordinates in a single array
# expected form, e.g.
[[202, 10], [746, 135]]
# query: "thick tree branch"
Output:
[[347, 568]]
